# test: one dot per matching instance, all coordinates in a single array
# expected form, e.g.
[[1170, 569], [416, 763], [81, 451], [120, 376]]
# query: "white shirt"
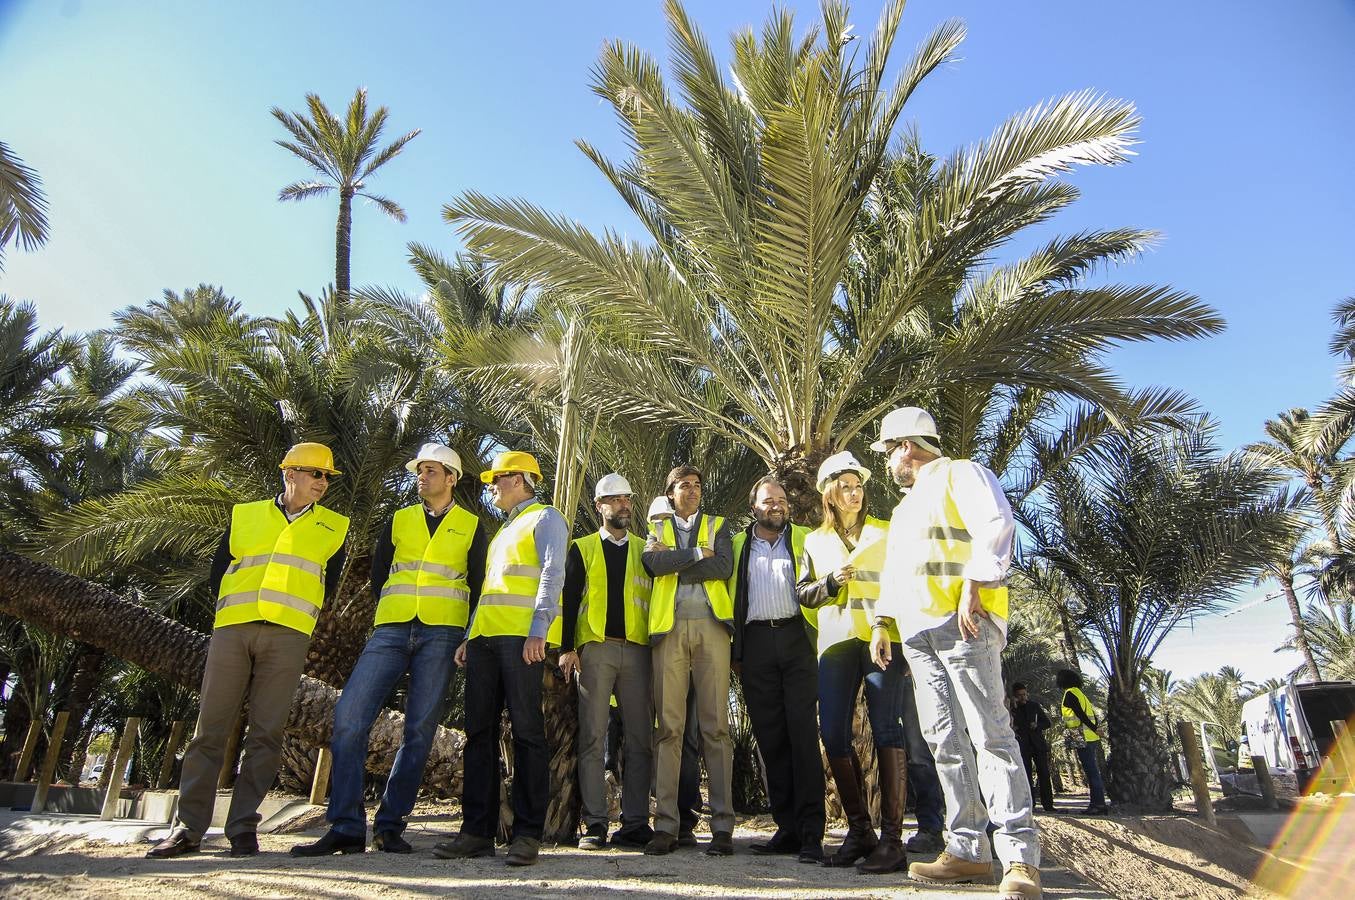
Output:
[[771, 579], [987, 516]]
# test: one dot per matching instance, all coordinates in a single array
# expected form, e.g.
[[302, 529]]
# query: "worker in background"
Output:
[[605, 647], [275, 565], [947, 554], [1030, 722], [517, 616], [1082, 733], [778, 671], [428, 561]]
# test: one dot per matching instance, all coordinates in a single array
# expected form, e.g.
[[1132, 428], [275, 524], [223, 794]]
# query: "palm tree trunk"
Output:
[[343, 627], [84, 683], [70, 606], [1286, 580], [561, 708], [1137, 770], [343, 238]]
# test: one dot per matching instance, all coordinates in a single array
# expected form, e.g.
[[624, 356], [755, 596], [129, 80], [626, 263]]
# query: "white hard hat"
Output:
[[612, 485], [661, 506], [908, 422], [438, 453], [838, 463]]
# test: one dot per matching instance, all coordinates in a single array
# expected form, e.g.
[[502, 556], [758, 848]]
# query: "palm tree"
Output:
[[809, 280], [1297, 559], [1162, 528], [23, 206], [1330, 631], [344, 155], [1216, 698]]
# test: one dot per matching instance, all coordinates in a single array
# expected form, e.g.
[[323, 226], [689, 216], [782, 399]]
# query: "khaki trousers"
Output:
[[623, 668], [693, 656], [263, 662]]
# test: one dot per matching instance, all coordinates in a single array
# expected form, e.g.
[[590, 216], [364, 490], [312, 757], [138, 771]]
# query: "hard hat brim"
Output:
[[326, 469], [413, 465]]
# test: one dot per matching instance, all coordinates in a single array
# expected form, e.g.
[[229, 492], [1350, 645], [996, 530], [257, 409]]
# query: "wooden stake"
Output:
[[125, 748], [49, 761], [320, 784], [227, 776], [30, 747], [1190, 746], [171, 746], [1265, 782]]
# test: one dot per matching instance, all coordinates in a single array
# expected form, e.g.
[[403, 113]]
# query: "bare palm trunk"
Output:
[[1137, 770], [1286, 580], [343, 627], [84, 684], [70, 606], [343, 237], [562, 730]]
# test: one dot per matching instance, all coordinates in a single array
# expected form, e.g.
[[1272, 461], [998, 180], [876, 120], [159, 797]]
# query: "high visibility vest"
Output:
[[277, 570], [592, 624], [427, 577], [852, 613], [937, 546], [664, 596], [1070, 719], [797, 552], [512, 577]]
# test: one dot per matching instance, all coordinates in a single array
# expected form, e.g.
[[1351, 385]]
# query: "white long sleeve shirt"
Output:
[[987, 516]]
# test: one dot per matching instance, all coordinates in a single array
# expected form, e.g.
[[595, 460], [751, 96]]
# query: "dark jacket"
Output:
[[1029, 722], [740, 597]]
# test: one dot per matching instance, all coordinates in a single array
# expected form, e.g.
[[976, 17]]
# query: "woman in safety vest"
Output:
[[1082, 732]]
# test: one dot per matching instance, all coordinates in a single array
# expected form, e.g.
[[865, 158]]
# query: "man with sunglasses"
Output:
[[503, 655], [273, 569], [427, 565]]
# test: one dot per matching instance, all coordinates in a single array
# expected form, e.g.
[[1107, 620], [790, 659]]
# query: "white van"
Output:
[[1294, 727]]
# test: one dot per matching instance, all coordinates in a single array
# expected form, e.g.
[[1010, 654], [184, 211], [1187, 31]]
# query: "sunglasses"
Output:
[[317, 474]]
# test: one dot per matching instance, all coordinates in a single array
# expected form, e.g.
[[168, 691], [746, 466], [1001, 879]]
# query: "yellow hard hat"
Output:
[[511, 461], [309, 455]]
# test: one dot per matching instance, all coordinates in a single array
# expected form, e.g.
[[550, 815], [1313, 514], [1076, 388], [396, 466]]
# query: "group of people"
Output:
[[914, 608]]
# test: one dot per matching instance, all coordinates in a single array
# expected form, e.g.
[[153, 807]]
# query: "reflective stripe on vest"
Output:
[[592, 625], [664, 596], [427, 577], [851, 614], [512, 577], [945, 546], [277, 570], [1072, 722]]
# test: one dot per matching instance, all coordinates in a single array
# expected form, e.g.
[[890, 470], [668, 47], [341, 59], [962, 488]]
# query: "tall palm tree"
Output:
[[23, 206], [344, 154], [808, 278], [1330, 631], [1160, 529], [1297, 559]]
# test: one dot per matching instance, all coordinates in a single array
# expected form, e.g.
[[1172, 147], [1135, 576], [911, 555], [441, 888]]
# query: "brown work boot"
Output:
[[1020, 882], [950, 869], [861, 837], [888, 855]]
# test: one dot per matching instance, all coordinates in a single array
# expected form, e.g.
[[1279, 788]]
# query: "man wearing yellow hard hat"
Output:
[[277, 562], [428, 562], [518, 613]]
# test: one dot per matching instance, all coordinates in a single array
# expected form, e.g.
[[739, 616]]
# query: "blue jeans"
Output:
[[893, 717], [425, 652], [959, 693], [1087, 756], [497, 675]]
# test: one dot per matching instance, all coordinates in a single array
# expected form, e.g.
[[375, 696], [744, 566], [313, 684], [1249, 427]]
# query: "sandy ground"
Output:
[[67, 863]]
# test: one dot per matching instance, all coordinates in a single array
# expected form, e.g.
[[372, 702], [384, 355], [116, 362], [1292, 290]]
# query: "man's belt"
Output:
[[776, 623]]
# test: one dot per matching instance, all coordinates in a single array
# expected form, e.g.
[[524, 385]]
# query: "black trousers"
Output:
[[780, 687], [1035, 756]]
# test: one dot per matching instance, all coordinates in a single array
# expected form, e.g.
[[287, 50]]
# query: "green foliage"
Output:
[[23, 206]]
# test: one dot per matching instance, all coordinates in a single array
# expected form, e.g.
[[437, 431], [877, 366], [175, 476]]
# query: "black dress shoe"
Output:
[[661, 844], [811, 854], [781, 843], [721, 844], [177, 844], [523, 851], [246, 844], [332, 842], [632, 837], [390, 842], [687, 838], [464, 846]]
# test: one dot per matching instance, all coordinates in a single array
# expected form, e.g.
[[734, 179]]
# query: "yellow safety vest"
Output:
[[277, 570], [664, 597], [427, 577], [512, 577], [942, 547], [797, 552], [593, 612], [1072, 722], [852, 613]]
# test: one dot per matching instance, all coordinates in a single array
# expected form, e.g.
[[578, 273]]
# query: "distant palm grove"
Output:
[[806, 263]]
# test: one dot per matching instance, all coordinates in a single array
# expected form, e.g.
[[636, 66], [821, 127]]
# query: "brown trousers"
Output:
[[263, 662]]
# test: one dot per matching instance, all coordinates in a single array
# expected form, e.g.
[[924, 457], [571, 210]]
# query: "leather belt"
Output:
[[776, 623]]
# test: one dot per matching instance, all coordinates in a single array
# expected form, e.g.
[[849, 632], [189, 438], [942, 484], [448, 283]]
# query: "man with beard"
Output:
[[605, 645], [779, 671], [946, 558]]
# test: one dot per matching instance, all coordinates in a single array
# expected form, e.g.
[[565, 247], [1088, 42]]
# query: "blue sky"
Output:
[[149, 124]]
